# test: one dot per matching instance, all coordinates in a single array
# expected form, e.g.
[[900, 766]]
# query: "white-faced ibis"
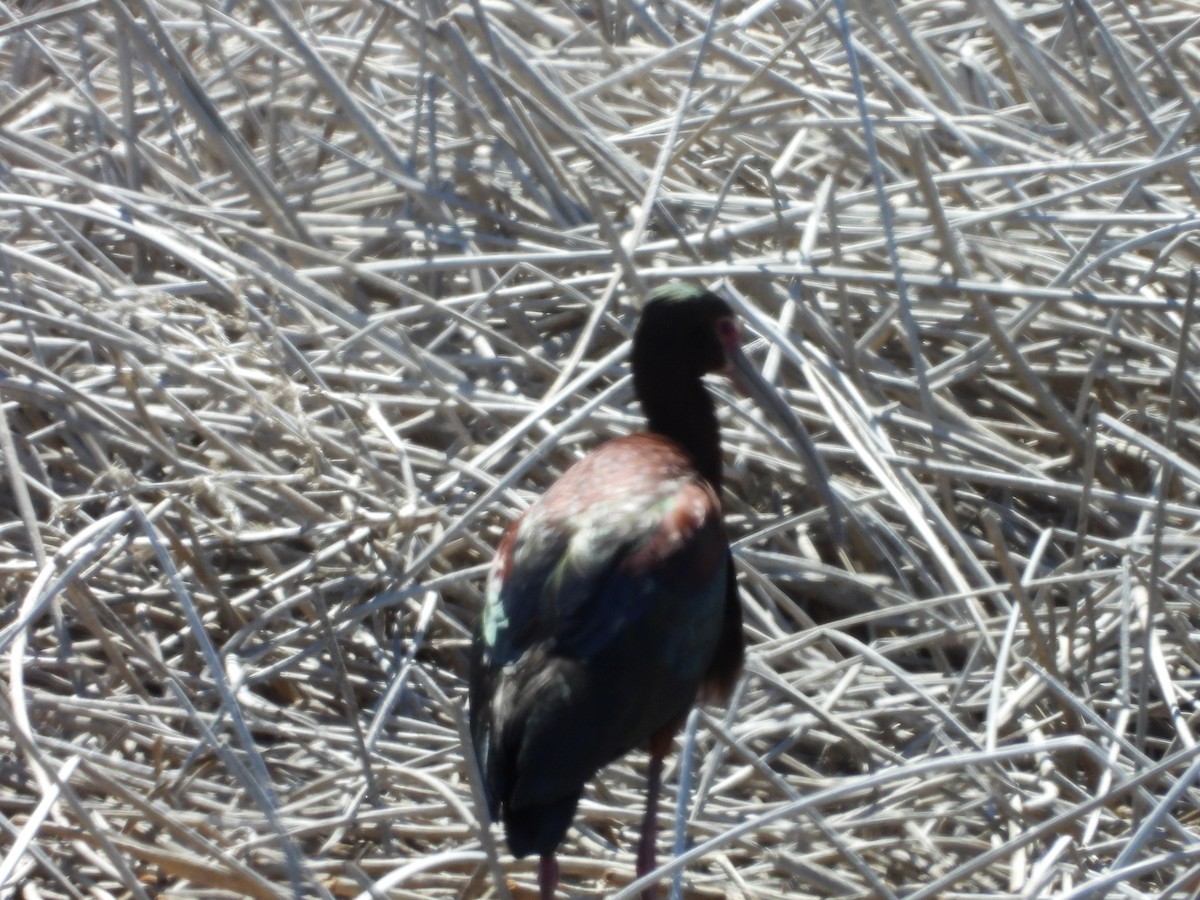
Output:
[[611, 604]]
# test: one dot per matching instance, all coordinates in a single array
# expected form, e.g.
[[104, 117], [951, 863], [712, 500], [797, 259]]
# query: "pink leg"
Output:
[[547, 876], [645, 857]]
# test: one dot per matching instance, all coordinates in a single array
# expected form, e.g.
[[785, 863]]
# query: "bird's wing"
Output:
[[668, 554], [576, 584], [590, 649], [604, 611]]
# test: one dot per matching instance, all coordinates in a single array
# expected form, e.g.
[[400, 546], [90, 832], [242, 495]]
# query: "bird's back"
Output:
[[609, 603]]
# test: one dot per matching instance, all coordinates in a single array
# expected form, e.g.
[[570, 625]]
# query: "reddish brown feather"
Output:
[[695, 506], [630, 466]]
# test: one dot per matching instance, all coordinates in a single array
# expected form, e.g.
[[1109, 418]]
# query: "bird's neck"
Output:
[[685, 414]]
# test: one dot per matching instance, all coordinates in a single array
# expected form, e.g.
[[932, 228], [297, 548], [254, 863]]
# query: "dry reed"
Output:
[[301, 303]]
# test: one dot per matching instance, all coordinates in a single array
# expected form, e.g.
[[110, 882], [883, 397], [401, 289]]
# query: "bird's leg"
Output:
[[547, 876], [645, 857]]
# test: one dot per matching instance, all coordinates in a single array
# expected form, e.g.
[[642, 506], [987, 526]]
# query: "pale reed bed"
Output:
[[300, 304]]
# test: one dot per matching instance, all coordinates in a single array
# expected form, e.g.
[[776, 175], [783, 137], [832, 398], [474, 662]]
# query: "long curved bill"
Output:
[[751, 383]]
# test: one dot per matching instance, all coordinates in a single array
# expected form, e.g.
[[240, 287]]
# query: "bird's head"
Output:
[[688, 328]]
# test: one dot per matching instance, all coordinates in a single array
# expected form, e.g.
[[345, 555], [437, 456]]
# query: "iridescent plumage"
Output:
[[604, 610]]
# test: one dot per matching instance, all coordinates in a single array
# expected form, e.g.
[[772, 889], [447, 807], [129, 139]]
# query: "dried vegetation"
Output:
[[301, 303]]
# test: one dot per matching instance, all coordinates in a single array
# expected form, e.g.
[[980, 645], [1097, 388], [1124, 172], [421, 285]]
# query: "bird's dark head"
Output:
[[686, 328]]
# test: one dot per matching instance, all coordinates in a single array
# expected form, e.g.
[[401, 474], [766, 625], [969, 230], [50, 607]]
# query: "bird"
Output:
[[611, 604]]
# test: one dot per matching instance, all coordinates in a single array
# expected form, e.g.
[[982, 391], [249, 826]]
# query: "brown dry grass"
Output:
[[301, 303]]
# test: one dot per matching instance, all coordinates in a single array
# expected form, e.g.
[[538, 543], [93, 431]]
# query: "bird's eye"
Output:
[[727, 332]]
